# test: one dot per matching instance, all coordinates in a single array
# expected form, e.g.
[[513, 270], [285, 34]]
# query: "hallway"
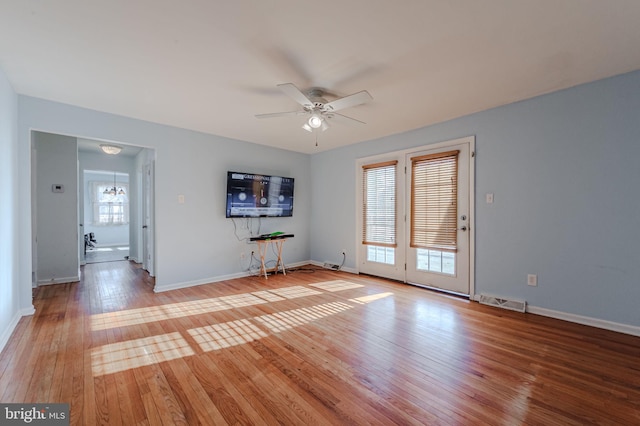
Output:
[[106, 254]]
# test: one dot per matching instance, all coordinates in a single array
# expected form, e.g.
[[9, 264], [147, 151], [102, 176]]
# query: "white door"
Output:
[[392, 221], [381, 183], [438, 218], [81, 192], [148, 254]]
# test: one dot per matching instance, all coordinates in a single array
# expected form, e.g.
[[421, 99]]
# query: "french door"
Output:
[[382, 243], [416, 215], [437, 224]]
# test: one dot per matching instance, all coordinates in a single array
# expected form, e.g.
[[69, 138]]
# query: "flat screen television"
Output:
[[254, 195]]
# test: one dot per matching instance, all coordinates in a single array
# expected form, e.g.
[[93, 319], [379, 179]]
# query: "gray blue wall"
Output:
[[57, 212], [565, 174], [9, 219]]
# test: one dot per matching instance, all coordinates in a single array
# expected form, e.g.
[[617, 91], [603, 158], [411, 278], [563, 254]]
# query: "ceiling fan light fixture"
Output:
[[307, 127], [110, 149], [315, 121]]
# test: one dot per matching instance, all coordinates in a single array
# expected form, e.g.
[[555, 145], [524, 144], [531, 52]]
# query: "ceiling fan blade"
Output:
[[343, 117], [294, 93], [348, 101], [280, 114]]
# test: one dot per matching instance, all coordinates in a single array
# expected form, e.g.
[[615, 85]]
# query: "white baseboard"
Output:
[[579, 319], [62, 280], [343, 269], [210, 280], [6, 333], [27, 311]]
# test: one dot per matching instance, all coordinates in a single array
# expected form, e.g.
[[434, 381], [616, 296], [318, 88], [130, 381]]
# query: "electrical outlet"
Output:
[[343, 251], [532, 280]]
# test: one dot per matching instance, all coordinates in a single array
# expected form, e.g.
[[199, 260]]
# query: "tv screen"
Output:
[[253, 195]]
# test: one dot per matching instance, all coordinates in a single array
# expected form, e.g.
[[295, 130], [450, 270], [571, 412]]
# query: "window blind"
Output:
[[379, 204], [434, 201]]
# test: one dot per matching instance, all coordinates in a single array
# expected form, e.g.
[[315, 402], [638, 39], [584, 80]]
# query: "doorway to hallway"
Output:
[[107, 254]]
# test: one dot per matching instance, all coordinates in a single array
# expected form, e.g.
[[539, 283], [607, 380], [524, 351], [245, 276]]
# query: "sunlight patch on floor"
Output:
[[196, 307], [225, 335], [116, 357], [285, 320], [135, 353], [370, 298], [295, 292], [337, 285]]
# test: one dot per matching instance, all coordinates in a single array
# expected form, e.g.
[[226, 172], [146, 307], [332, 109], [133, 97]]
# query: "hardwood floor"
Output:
[[309, 348]]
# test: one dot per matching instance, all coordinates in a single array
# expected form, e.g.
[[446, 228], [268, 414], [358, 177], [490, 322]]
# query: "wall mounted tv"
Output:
[[253, 195]]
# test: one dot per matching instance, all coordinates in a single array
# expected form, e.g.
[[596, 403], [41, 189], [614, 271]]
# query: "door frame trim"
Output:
[[471, 140]]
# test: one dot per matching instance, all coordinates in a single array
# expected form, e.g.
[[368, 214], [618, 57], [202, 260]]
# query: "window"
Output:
[[434, 205], [110, 203], [379, 211]]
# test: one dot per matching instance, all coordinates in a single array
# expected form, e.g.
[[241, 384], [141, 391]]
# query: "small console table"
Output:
[[263, 243]]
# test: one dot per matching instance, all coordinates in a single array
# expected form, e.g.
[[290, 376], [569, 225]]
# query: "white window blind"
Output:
[[379, 204], [434, 201]]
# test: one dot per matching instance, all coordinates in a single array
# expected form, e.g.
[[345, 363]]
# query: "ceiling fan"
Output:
[[317, 107]]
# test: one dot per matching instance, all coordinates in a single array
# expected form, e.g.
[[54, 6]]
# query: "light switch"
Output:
[[181, 199], [489, 197]]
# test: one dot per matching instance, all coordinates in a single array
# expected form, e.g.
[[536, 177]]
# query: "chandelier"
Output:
[[114, 189]]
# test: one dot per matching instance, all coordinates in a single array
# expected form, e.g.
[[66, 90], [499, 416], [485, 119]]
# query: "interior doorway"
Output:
[[106, 215], [115, 204], [58, 196]]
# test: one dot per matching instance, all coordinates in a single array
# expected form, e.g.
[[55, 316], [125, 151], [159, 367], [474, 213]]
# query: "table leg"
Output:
[[280, 262], [262, 250]]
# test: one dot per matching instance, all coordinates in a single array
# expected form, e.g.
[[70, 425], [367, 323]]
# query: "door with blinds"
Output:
[[437, 223], [382, 236]]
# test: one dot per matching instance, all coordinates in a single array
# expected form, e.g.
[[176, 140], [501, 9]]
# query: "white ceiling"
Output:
[[212, 65]]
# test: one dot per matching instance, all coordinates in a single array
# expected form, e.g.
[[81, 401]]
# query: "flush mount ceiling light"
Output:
[[110, 149]]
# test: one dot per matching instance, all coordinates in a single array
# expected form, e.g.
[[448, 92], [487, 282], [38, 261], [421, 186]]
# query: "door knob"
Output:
[[464, 228]]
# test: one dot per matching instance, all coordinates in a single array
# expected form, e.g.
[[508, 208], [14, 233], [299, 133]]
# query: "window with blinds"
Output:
[[434, 201], [379, 204]]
